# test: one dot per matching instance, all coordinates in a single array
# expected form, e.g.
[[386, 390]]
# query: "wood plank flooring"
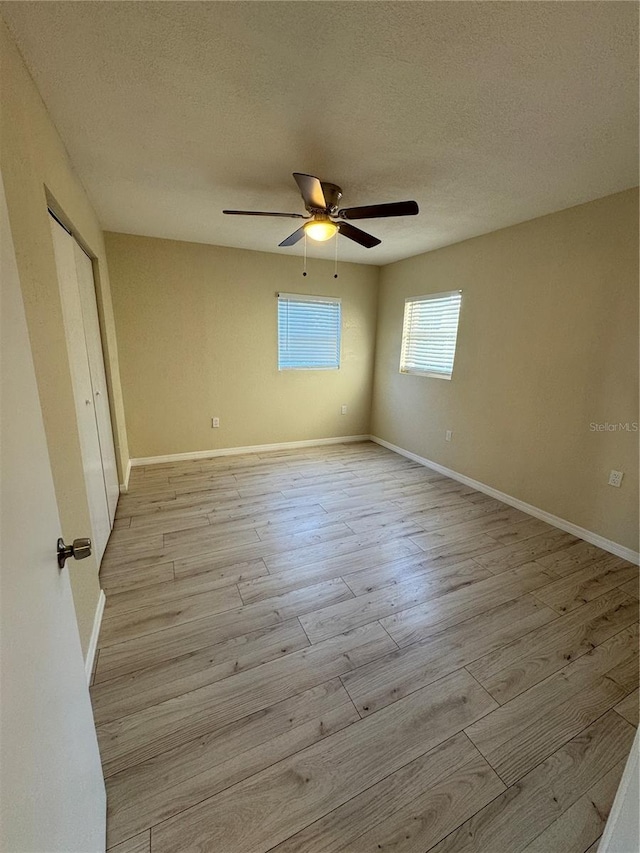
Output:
[[336, 649]]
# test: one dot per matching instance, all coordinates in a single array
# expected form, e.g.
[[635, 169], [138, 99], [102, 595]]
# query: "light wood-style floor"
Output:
[[336, 649]]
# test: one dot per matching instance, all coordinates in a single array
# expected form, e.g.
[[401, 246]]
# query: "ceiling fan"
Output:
[[321, 201]]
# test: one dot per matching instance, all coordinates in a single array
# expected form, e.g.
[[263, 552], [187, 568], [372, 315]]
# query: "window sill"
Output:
[[426, 373]]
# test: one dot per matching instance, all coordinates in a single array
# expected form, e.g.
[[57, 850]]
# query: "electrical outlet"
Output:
[[215, 423], [343, 410], [615, 478], [447, 435]]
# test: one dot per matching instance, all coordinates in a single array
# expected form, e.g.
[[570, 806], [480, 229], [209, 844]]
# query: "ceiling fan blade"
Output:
[[262, 213], [311, 191], [353, 233], [375, 211], [293, 238]]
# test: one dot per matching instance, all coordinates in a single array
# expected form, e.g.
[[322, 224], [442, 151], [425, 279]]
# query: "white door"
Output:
[[64, 246], [622, 832], [93, 340], [52, 796]]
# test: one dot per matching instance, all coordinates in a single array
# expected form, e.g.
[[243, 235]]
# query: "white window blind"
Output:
[[308, 332], [429, 334]]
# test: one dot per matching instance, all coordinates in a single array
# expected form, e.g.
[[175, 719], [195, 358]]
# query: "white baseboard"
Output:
[[536, 512], [124, 487], [237, 451], [95, 632]]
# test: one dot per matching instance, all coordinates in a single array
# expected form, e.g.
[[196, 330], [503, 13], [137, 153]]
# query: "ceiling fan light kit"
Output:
[[325, 219], [320, 228]]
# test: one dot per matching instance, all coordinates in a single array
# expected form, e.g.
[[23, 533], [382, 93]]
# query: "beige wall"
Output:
[[197, 332], [547, 345], [34, 162]]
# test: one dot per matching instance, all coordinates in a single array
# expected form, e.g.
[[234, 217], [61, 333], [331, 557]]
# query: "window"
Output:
[[429, 334], [308, 332]]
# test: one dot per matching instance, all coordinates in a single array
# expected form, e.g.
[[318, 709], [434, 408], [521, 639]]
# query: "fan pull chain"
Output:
[[304, 263], [335, 268]]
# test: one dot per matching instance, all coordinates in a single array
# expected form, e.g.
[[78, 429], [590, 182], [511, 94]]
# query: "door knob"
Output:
[[80, 549]]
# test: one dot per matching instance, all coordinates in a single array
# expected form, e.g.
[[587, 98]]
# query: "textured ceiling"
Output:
[[486, 113]]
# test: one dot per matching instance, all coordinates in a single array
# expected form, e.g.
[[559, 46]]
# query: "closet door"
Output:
[[93, 340], [85, 415]]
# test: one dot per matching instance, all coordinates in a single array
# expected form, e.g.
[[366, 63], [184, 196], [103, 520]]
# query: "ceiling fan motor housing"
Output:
[[332, 196]]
